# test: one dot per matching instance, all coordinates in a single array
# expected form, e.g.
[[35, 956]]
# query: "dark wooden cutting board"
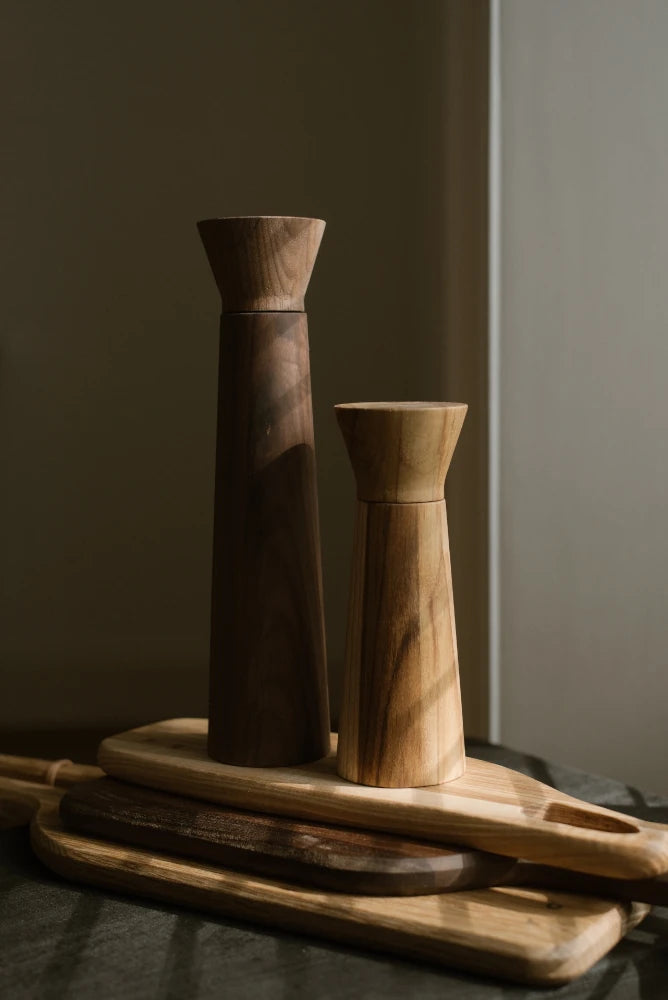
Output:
[[315, 854]]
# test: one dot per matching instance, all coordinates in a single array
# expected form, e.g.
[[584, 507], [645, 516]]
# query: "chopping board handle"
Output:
[[61, 772]]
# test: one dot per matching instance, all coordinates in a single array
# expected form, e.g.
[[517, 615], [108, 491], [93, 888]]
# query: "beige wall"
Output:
[[584, 355], [127, 122]]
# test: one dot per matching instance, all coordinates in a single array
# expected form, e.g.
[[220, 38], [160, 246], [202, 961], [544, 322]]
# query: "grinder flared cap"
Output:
[[262, 263], [400, 452]]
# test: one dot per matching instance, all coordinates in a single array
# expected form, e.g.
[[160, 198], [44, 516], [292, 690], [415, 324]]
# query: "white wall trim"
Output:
[[493, 373]]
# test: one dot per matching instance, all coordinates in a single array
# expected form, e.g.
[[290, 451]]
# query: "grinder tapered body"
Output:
[[268, 703]]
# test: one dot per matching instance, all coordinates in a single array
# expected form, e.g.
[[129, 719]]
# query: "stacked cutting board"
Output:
[[314, 864], [394, 840]]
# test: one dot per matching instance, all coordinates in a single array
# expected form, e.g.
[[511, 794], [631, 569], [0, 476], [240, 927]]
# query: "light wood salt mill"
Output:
[[401, 716]]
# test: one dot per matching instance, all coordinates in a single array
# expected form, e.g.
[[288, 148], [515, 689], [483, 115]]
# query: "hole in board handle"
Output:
[[561, 812]]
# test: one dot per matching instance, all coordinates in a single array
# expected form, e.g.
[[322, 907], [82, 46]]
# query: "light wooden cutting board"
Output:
[[528, 936], [491, 807]]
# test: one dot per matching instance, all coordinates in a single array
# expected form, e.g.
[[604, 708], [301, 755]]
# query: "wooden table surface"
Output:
[[60, 941]]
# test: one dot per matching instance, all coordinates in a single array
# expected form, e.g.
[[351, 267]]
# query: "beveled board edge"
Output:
[[315, 792], [369, 922]]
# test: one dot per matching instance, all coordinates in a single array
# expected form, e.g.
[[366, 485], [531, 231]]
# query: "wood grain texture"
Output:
[[316, 854], [521, 935], [262, 263], [401, 714], [400, 452], [268, 684], [450, 870], [490, 807]]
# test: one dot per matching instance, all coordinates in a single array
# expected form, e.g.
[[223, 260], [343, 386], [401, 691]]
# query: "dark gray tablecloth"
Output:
[[60, 941]]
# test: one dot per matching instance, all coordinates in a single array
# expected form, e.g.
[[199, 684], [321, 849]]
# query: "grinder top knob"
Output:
[[400, 452], [262, 263]]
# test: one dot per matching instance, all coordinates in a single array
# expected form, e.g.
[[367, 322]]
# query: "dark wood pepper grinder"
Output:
[[268, 701], [401, 715]]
